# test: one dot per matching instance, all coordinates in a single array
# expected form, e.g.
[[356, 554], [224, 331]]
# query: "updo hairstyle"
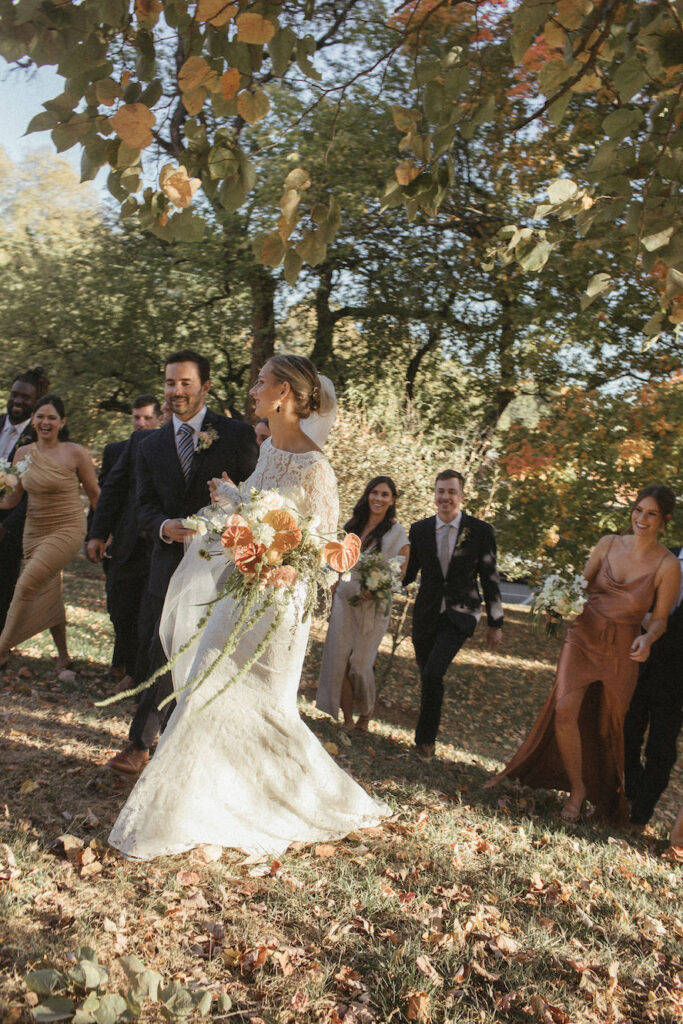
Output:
[[663, 495], [302, 377]]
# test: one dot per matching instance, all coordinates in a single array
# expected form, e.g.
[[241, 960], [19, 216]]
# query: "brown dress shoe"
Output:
[[129, 761], [425, 751]]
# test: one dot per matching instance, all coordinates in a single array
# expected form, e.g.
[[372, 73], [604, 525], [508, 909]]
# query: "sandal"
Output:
[[571, 812], [362, 723]]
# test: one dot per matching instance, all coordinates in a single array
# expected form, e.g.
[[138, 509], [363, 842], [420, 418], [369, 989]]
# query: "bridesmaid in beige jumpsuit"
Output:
[[54, 530]]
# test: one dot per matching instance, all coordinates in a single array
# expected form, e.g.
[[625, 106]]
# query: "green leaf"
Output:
[[86, 953], [599, 284], [224, 1000], [55, 1008], [537, 258], [45, 982], [552, 74], [111, 1007], [629, 78], [280, 49], [305, 48], [312, 248], [152, 94], [187, 226], [427, 69], [434, 101], [621, 123], [558, 109], [42, 122], [456, 82], [603, 159], [88, 974], [70, 132], [177, 1001], [527, 20], [202, 1001]]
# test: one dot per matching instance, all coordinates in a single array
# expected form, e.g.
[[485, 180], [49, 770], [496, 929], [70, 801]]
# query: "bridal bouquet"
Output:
[[270, 548], [380, 577], [560, 599], [11, 475]]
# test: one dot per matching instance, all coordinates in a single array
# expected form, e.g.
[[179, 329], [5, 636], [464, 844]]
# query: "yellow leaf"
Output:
[[418, 1007], [230, 83], [254, 28], [406, 172], [298, 178], [193, 73], [28, 787], [331, 748], [125, 79], [272, 250], [148, 10], [107, 91], [177, 186], [193, 100], [133, 123], [216, 12], [253, 106]]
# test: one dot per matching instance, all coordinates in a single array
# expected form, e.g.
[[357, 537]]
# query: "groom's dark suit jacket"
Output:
[[473, 561], [163, 493]]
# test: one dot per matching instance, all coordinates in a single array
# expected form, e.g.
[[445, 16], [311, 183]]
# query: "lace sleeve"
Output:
[[321, 498], [227, 496]]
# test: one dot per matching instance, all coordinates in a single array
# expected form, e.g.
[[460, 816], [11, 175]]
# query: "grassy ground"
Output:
[[467, 906]]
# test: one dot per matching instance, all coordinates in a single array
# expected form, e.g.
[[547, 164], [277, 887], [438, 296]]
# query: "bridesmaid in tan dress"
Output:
[[576, 743], [54, 530]]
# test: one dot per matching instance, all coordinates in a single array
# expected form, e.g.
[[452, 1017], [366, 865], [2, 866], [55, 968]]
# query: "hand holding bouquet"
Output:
[[380, 577], [560, 599], [11, 475]]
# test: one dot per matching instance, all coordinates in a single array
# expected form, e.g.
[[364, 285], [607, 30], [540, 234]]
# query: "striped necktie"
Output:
[[185, 446]]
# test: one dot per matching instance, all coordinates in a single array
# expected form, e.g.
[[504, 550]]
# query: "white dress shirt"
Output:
[[452, 529], [196, 424], [9, 435]]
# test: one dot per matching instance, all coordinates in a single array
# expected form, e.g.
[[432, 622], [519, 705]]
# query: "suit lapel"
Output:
[[208, 421]]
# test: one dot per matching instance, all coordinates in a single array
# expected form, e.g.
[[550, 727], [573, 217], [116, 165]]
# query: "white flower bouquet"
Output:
[[11, 475], [271, 548], [560, 599], [380, 577]]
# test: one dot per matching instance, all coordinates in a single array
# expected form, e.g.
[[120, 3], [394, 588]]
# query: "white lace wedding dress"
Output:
[[244, 772]]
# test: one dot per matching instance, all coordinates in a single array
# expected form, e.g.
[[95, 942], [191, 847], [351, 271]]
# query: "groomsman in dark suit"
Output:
[[452, 551], [114, 533], [15, 430], [656, 707], [174, 466]]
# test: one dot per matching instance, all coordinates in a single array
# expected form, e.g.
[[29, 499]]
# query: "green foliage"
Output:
[[89, 1002]]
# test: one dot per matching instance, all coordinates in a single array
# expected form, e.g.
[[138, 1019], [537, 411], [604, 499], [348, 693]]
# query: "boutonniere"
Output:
[[464, 534], [206, 439]]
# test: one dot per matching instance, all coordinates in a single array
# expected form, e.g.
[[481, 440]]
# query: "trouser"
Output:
[[125, 588], [149, 720], [10, 565], [434, 650], [657, 705]]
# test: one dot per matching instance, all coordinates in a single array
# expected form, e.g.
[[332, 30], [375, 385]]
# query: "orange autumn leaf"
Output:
[[325, 850], [133, 124], [342, 555], [254, 28], [230, 83], [418, 1007], [406, 172], [216, 12], [177, 186], [193, 73]]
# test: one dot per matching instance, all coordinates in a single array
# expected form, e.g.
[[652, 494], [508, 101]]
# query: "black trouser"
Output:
[[125, 587], [149, 721], [10, 565], [434, 650], [657, 704]]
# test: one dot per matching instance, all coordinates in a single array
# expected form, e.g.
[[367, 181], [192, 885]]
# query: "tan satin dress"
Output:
[[53, 534], [594, 658]]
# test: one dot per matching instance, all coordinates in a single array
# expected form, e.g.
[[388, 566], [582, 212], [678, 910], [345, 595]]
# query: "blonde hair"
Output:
[[302, 377]]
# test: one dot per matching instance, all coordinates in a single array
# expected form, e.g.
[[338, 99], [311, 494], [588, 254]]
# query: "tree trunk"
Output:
[[323, 350], [262, 286]]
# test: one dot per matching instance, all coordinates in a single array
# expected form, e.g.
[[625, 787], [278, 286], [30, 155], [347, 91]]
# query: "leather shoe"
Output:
[[425, 751], [129, 761]]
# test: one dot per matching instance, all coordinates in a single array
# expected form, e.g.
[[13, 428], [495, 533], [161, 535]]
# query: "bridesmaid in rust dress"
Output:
[[576, 743], [54, 529]]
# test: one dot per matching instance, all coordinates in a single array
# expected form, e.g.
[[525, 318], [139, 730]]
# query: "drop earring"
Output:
[[277, 407]]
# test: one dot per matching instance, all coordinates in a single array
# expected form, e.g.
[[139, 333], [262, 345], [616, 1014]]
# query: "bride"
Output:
[[246, 772]]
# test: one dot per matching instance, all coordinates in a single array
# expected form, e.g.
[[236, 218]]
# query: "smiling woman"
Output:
[[52, 471], [358, 622], [577, 741]]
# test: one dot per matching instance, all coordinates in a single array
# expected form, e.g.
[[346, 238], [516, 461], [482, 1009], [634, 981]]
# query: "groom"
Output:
[[173, 468], [451, 550]]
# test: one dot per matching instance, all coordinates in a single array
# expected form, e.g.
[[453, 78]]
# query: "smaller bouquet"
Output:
[[11, 475], [560, 599], [380, 577]]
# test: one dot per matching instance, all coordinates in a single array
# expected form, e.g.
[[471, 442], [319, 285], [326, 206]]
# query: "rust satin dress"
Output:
[[53, 534], [595, 659]]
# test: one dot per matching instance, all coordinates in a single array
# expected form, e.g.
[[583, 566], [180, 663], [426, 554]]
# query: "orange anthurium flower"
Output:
[[342, 555]]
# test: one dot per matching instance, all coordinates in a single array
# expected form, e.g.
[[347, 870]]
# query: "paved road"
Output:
[[515, 593]]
